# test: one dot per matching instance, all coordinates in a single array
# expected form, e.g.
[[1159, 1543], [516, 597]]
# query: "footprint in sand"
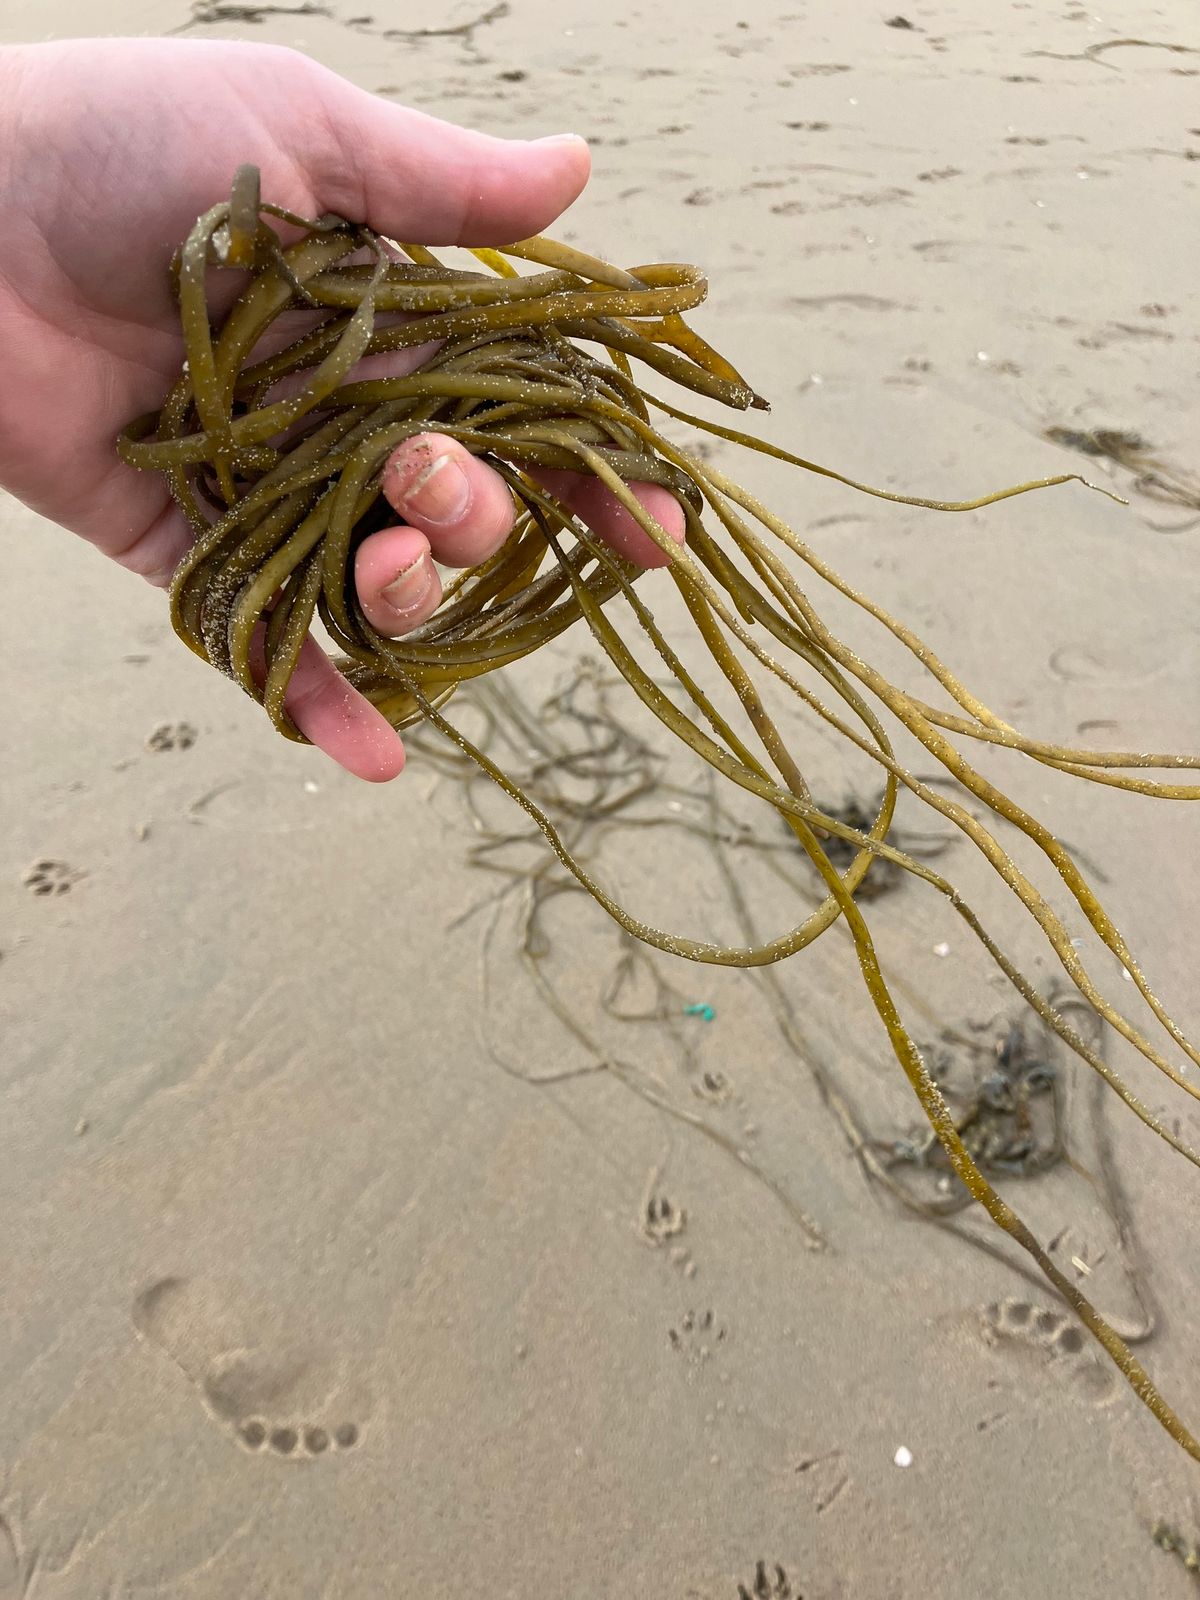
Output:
[[172, 736], [713, 1086], [770, 1582], [1052, 1337], [662, 1220], [52, 877], [698, 1337], [273, 1395]]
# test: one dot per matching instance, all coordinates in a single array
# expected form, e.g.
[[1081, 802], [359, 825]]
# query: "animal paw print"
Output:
[[172, 736], [51, 877], [1051, 1330], [770, 1583], [1056, 1335], [712, 1086], [662, 1220], [300, 1443], [698, 1335]]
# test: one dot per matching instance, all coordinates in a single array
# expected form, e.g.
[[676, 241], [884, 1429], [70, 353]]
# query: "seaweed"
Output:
[[533, 370]]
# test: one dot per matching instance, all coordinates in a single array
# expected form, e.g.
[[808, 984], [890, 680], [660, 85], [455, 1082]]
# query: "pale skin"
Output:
[[109, 150]]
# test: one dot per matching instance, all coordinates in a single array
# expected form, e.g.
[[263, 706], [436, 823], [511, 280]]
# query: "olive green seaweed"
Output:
[[533, 371]]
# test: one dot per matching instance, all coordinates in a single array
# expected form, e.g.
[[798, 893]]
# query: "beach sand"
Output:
[[306, 1288]]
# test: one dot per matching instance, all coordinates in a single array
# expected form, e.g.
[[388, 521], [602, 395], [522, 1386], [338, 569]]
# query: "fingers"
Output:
[[456, 510], [326, 709], [438, 486], [385, 364], [336, 718], [158, 549], [459, 512], [466, 510], [608, 519], [416, 177], [399, 587], [397, 582]]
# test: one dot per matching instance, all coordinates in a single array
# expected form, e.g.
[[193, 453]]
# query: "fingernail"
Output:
[[407, 592], [439, 493], [560, 138]]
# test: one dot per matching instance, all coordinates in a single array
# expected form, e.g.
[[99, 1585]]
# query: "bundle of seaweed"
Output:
[[533, 371]]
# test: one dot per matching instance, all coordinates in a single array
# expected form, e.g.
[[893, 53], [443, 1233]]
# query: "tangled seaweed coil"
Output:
[[533, 371]]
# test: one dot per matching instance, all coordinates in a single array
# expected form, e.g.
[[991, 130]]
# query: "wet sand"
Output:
[[309, 1287]]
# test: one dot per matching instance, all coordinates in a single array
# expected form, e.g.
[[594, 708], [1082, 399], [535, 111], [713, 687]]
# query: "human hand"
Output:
[[109, 149]]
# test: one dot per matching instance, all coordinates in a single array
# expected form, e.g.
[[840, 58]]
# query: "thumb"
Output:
[[404, 173]]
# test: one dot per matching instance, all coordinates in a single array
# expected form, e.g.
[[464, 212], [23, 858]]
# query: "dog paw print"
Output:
[[712, 1086], [1055, 1335], [697, 1337], [1051, 1330], [51, 877], [172, 736], [662, 1219], [770, 1583]]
